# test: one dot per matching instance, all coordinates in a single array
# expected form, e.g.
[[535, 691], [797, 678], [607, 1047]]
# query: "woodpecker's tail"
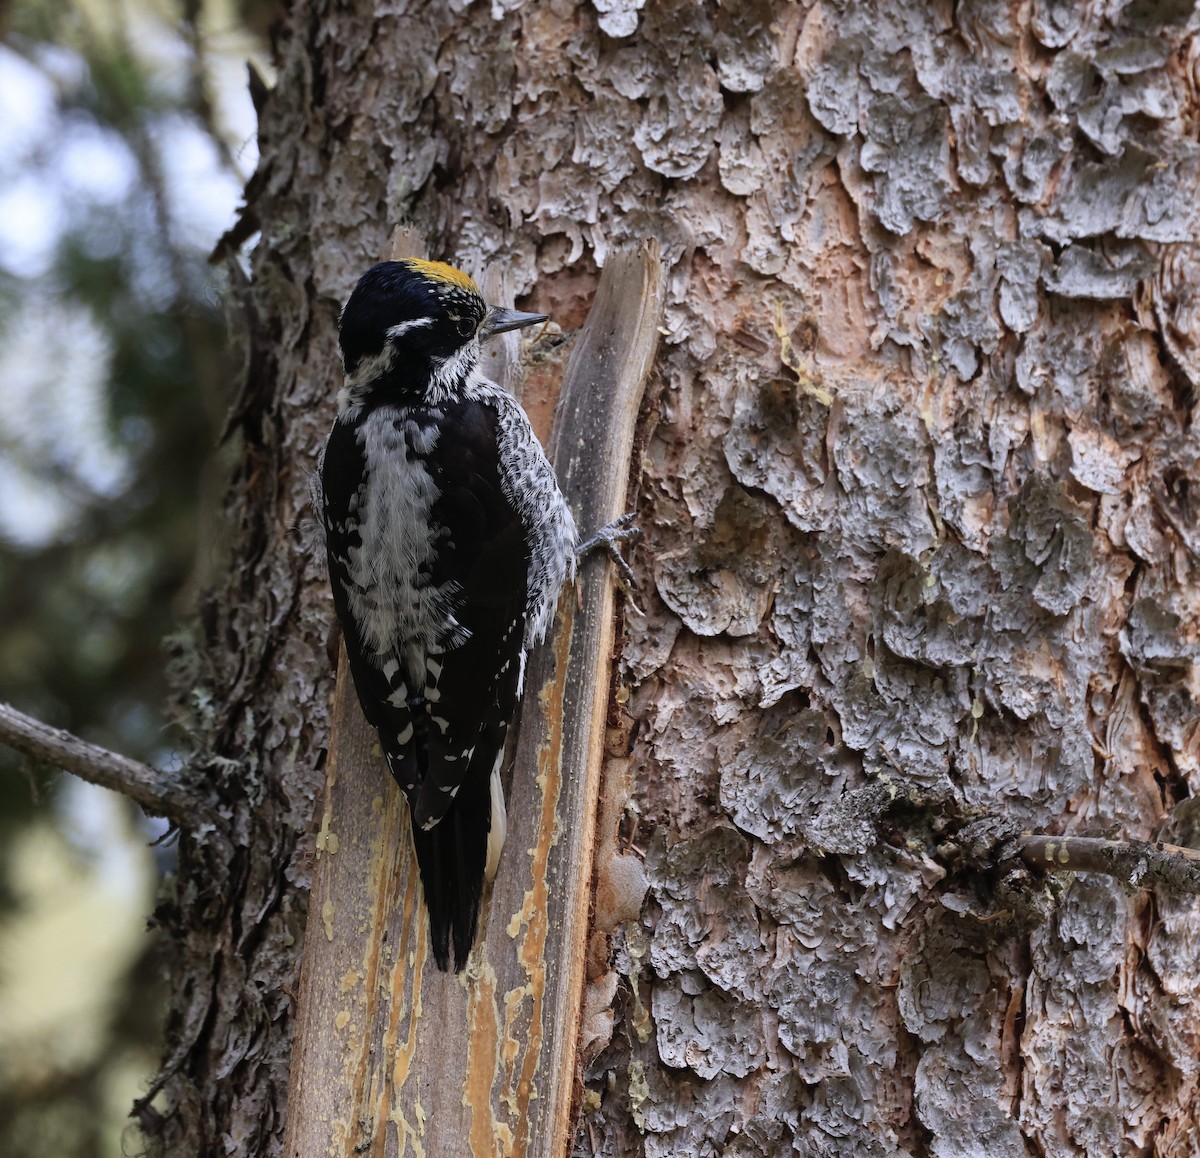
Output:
[[452, 857]]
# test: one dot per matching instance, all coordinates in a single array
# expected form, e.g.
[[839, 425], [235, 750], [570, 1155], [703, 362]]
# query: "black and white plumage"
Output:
[[448, 543]]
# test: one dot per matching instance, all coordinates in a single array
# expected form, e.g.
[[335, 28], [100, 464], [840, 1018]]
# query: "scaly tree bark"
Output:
[[919, 571]]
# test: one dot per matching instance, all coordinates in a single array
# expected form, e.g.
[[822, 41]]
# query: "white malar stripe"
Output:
[[499, 826], [457, 374]]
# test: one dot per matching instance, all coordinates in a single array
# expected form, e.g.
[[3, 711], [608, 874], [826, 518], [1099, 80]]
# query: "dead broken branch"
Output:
[[1137, 862], [157, 792]]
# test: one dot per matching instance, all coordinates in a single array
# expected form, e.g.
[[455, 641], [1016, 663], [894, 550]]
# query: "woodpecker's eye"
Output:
[[464, 325]]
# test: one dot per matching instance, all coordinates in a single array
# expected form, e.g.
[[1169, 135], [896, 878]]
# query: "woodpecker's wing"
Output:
[[479, 565], [482, 558], [448, 542], [426, 619]]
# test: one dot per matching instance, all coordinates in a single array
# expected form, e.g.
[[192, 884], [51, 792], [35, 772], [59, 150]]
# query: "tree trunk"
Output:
[[919, 567]]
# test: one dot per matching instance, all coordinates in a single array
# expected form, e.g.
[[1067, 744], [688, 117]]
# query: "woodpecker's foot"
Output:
[[607, 539]]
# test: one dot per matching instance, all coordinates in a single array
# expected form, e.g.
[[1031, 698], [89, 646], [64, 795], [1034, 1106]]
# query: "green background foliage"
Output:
[[129, 137]]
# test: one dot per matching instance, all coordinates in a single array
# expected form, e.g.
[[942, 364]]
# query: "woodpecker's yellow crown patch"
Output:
[[439, 271]]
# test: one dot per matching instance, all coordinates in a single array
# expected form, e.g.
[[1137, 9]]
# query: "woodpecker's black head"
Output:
[[416, 322]]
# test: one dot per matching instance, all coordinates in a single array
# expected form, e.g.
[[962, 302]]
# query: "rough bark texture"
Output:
[[920, 567]]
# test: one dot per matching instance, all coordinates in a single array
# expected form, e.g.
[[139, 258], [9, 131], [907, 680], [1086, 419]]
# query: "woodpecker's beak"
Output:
[[500, 321]]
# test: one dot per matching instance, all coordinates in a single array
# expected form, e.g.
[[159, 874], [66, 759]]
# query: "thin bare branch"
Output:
[[155, 791], [1136, 862]]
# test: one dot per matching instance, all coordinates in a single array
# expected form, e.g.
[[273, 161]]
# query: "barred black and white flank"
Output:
[[448, 543]]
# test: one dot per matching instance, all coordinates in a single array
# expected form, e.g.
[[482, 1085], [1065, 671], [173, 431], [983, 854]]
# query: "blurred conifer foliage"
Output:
[[125, 138]]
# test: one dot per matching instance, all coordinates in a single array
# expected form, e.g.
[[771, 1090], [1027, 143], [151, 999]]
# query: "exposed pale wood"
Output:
[[390, 1053], [562, 722]]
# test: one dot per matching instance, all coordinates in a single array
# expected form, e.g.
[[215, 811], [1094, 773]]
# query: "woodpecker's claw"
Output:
[[607, 539]]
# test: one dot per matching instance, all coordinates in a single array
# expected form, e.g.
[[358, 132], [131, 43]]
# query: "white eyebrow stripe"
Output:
[[402, 328]]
